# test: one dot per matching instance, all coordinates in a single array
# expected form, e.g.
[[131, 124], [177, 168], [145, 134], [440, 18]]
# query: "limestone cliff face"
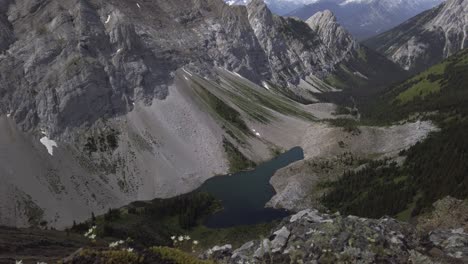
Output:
[[84, 60], [292, 48], [69, 63], [337, 40], [296, 49], [427, 38]]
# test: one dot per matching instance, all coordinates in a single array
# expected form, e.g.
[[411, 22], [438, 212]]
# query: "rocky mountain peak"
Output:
[[332, 34], [427, 38], [259, 9], [325, 16], [453, 18]]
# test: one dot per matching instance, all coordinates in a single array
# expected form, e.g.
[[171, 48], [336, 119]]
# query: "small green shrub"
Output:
[[176, 256], [237, 160], [109, 257]]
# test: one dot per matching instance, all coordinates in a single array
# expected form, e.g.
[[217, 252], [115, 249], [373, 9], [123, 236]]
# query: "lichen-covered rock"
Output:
[[313, 237], [452, 242], [447, 213], [280, 240], [218, 252]]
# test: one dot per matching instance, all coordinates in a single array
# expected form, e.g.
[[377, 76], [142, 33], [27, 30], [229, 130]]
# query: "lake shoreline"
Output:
[[244, 194]]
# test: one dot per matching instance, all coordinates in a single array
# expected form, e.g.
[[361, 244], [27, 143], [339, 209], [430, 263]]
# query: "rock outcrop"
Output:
[[313, 237], [292, 48], [427, 38], [337, 40], [447, 213]]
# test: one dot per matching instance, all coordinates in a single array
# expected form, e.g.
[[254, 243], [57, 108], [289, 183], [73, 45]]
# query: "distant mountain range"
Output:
[[427, 38], [279, 7], [367, 18]]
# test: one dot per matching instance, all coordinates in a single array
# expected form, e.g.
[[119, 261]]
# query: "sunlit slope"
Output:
[[442, 88]]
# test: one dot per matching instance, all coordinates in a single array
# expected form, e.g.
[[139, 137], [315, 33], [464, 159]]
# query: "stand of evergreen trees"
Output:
[[376, 190], [152, 223], [433, 169]]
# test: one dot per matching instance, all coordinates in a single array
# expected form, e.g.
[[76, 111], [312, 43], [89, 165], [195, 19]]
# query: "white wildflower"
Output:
[[195, 242], [181, 238], [18, 262], [130, 249], [173, 237], [187, 237], [116, 243]]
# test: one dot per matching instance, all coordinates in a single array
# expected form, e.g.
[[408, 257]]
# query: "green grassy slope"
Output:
[[233, 101], [442, 88]]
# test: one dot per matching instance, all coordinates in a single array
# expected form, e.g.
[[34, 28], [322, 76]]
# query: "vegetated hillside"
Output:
[[169, 231], [434, 168], [442, 88], [141, 232], [427, 38]]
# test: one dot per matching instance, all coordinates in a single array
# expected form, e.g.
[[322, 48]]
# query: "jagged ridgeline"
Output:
[[364, 19], [433, 168], [427, 38]]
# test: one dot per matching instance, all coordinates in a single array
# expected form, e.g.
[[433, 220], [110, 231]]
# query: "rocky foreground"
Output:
[[313, 237], [306, 237]]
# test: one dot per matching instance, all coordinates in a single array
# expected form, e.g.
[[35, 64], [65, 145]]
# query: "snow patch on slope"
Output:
[[49, 144]]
